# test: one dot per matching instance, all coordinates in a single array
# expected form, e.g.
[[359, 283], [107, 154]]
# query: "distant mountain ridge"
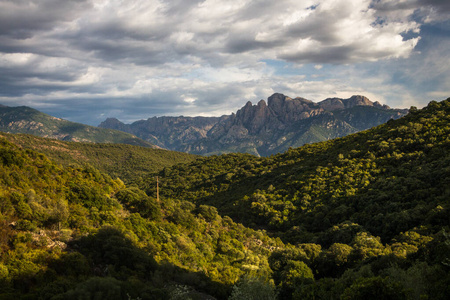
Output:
[[167, 132], [262, 129], [23, 119]]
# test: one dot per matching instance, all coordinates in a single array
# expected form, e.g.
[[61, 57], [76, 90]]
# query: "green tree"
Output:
[[374, 288], [253, 288]]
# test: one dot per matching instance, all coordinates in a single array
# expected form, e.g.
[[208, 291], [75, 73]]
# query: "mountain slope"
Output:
[[262, 129], [27, 120], [75, 233], [129, 163], [366, 217], [376, 178], [375, 200], [173, 133]]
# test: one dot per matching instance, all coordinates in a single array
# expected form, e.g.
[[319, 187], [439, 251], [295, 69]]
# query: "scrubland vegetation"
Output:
[[361, 217]]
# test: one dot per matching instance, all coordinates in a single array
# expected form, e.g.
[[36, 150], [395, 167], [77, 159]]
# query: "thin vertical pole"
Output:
[[157, 188]]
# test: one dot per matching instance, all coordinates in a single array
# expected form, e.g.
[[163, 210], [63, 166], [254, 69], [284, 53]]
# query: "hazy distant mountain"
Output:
[[172, 133], [27, 120], [262, 129]]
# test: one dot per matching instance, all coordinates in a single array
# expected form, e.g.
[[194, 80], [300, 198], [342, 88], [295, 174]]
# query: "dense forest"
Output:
[[127, 162], [361, 217]]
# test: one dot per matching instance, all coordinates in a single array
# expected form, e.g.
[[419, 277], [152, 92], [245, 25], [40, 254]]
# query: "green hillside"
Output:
[[75, 233], [389, 185], [27, 120], [361, 217], [128, 162]]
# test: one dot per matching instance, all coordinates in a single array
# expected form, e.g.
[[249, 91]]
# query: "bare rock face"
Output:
[[358, 100], [290, 110], [331, 104], [264, 128]]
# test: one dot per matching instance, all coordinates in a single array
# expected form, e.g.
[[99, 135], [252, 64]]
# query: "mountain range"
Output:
[[262, 129], [23, 119], [365, 216]]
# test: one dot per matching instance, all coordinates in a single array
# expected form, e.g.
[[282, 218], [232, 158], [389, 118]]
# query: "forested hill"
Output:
[[23, 119], [389, 179], [361, 217], [75, 233], [127, 162], [385, 190]]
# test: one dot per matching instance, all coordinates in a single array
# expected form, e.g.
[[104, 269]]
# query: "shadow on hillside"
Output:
[[107, 265], [228, 202]]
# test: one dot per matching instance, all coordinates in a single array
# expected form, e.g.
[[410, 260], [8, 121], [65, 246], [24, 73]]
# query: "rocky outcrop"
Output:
[[264, 128], [332, 104], [290, 110]]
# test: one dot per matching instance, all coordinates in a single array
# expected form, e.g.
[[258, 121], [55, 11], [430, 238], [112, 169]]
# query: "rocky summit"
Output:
[[264, 128]]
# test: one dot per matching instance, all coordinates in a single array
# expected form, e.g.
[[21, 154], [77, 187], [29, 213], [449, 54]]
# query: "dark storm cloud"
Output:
[[22, 18], [442, 6], [246, 44], [93, 111], [330, 55]]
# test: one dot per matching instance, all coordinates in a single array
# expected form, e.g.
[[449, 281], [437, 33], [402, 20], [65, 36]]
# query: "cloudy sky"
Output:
[[86, 60]]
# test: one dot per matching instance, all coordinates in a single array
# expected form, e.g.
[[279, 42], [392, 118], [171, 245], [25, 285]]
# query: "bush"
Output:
[[253, 288]]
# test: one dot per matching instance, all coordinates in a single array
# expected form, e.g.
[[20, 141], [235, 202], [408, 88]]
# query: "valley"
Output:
[[361, 216]]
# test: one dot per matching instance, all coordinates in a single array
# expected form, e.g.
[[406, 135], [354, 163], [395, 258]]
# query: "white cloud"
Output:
[[185, 57], [10, 60]]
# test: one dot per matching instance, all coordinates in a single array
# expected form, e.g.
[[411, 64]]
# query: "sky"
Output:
[[87, 60]]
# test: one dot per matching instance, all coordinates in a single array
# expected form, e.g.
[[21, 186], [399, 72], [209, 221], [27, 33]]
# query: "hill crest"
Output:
[[27, 120]]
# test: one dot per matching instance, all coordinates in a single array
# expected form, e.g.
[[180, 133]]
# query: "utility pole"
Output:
[[157, 189]]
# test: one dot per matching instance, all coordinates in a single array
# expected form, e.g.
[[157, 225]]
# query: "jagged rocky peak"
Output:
[[288, 109], [280, 103], [358, 100], [276, 101], [262, 103], [379, 105], [111, 121], [339, 103], [252, 117], [250, 107]]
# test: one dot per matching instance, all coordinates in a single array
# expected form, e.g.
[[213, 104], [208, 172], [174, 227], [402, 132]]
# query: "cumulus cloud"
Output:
[[139, 58], [347, 32]]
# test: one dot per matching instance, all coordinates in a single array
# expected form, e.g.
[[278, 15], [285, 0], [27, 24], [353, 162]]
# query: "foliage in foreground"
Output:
[[377, 201], [364, 216], [68, 232]]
